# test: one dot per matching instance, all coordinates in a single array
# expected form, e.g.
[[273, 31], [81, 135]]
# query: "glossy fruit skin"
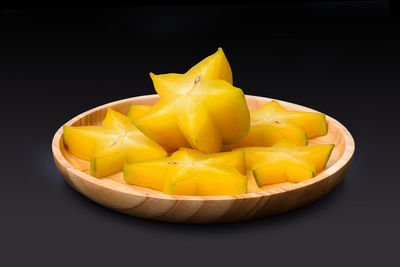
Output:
[[81, 141], [137, 111], [271, 122], [110, 145], [199, 109], [286, 162], [191, 172], [160, 124]]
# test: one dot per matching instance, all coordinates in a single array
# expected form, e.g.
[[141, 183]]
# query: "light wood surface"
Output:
[[113, 192]]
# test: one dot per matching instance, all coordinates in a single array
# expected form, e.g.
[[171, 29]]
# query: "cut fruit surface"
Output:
[[199, 109], [271, 122], [286, 162], [110, 145], [191, 172]]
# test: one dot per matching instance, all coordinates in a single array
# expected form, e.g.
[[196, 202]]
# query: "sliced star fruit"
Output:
[[284, 161], [110, 145], [271, 122], [191, 172], [137, 111], [199, 109]]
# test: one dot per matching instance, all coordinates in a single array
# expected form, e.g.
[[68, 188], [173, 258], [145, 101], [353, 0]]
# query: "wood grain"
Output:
[[113, 192]]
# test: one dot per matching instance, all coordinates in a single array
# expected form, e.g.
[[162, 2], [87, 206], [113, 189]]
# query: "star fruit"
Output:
[[137, 111], [271, 122], [191, 172], [284, 161], [110, 145], [199, 109]]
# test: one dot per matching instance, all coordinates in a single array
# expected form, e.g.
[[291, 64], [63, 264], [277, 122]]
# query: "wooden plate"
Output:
[[114, 193]]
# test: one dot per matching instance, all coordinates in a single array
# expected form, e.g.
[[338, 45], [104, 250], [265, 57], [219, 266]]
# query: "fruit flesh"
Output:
[[286, 162], [190, 172], [271, 122], [110, 145], [199, 109]]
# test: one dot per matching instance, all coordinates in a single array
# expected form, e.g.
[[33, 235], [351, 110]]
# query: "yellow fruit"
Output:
[[197, 126], [160, 124], [271, 122], [199, 109], [191, 172], [233, 159], [109, 146], [81, 141], [137, 111], [286, 162]]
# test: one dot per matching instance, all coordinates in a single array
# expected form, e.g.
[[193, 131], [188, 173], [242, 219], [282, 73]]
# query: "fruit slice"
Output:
[[160, 124], [228, 109], [199, 109], [271, 122], [190, 172], [233, 159], [280, 167], [137, 111], [81, 141], [174, 85], [208, 182], [286, 162], [312, 123], [197, 125], [109, 146]]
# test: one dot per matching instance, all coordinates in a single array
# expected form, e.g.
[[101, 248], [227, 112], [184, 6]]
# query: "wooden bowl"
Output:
[[114, 193]]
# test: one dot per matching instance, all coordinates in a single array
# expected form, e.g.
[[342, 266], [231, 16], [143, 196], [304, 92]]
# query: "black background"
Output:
[[339, 57]]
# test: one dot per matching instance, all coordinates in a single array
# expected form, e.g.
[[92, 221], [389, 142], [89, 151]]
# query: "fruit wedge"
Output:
[[271, 122], [137, 111], [110, 145], [199, 109], [286, 162], [191, 172]]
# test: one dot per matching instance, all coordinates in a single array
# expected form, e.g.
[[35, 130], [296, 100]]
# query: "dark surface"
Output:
[[343, 60]]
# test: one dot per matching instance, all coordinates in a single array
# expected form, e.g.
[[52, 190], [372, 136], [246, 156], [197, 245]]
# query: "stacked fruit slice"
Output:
[[199, 109], [284, 161], [271, 122], [199, 114], [110, 145]]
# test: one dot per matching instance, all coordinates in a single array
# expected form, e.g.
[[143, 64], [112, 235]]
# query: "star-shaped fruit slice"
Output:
[[284, 161], [199, 109], [110, 145], [271, 122], [191, 172]]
